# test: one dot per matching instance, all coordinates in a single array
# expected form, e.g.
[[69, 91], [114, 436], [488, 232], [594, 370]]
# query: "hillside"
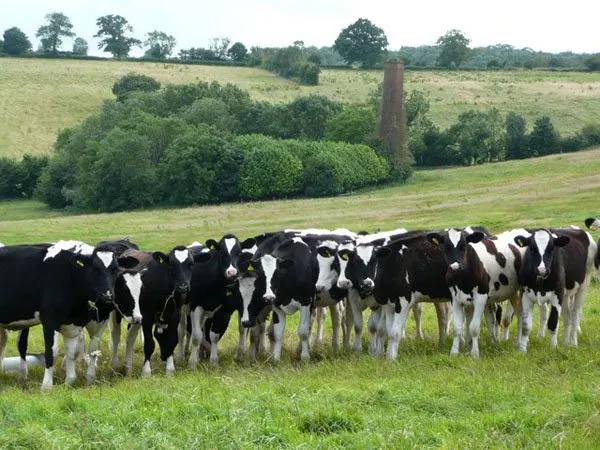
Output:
[[39, 97]]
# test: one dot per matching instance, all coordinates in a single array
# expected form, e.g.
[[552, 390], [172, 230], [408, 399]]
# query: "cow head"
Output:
[[357, 267], [251, 284], [228, 252], [329, 268], [274, 269], [455, 243], [128, 288], [99, 273], [179, 262], [540, 250]]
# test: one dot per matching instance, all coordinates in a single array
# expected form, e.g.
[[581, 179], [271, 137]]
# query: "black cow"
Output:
[[55, 288], [165, 282], [556, 269]]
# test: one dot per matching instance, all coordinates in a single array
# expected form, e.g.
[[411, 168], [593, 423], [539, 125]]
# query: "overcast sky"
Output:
[[276, 23]]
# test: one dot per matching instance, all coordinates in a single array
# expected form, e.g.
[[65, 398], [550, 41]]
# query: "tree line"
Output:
[[361, 43]]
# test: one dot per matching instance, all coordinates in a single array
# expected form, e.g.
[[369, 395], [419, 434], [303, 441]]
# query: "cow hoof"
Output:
[[170, 373], [214, 363], [146, 372], [192, 365], [70, 381]]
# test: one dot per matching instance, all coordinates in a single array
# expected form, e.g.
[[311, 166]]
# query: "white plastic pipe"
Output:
[[14, 363]]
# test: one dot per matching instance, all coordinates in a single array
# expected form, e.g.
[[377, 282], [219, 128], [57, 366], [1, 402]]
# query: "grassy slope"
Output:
[[39, 97], [545, 399]]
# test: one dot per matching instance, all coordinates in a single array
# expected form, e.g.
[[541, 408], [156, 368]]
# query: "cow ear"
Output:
[[561, 241], [212, 244], [285, 244], [202, 257], [248, 265], [127, 262], [522, 241], [475, 237], [346, 255], [325, 252], [435, 238], [383, 252], [248, 243], [363, 233], [79, 261], [286, 264], [160, 257]]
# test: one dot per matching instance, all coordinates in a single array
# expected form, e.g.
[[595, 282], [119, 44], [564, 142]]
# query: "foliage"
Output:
[[544, 139], [201, 166], [479, 136], [197, 54], [112, 30], [133, 82], [517, 145], [10, 178], [80, 46], [455, 49], [219, 46], [308, 73], [15, 42], [238, 52], [308, 115], [159, 44], [291, 62], [210, 111], [269, 170], [593, 63], [51, 34], [353, 124], [361, 42]]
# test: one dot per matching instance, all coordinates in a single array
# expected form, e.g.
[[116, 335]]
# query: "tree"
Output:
[[15, 41], [362, 42], [133, 82], [544, 139], [160, 44], [219, 46], [516, 139], [80, 46], [455, 49], [58, 26], [238, 52], [593, 63], [112, 29]]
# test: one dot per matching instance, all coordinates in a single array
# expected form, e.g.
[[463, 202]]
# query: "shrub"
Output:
[[201, 166], [544, 139], [593, 63], [353, 124], [306, 116], [31, 168], [10, 178], [269, 169], [56, 181], [134, 82], [210, 111], [308, 73], [590, 135], [517, 145]]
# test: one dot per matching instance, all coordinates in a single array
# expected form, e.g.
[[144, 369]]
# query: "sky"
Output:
[[536, 24]]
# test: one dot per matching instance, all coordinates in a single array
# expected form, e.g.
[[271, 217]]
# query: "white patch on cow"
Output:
[[542, 239], [327, 276], [70, 331], [298, 240], [494, 270], [454, 266], [181, 255], [1, 244], [105, 257], [369, 238], [454, 236], [229, 244], [22, 324], [134, 284], [469, 230], [78, 247], [195, 244], [269, 265], [365, 253], [246, 287], [291, 307]]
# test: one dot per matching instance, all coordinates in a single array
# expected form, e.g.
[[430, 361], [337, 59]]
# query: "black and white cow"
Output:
[[55, 288], [481, 271], [594, 224], [556, 269], [165, 281], [357, 267], [284, 281]]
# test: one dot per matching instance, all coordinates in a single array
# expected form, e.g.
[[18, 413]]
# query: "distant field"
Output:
[[39, 97], [546, 399]]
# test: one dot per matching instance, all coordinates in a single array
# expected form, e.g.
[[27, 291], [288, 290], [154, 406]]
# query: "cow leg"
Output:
[[243, 335], [278, 331], [218, 327], [506, 320], [49, 338], [3, 342], [149, 346], [254, 342], [114, 326], [490, 319], [417, 313], [526, 320], [197, 336], [262, 335], [71, 346], [372, 324], [441, 312], [576, 312], [319, 313], [553, 321], [458, 318], [349, 321], [182, 332], [381, 332], [566, 312], [22, 342], [336, 324], [96, 330], [304, 331], [354, 299], [543, 320], [479, 304], [132, 334]]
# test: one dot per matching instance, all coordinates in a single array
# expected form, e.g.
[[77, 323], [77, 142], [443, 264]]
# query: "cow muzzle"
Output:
[[107, 297], [182, 288], [231, 272], [319, 288], [269, 298], [344, 284], [248, 323], [454, 266], [137, 319], [542, 273]]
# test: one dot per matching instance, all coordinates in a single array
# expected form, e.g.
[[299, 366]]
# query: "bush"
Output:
[[31, 169], [517, 145], [353, 124], [10, 178], [341, 167], [134, 82], [590, 134], [306, 116], [269, 169], [201, 166], [308, 73], [210, 111], [544, 139], [593, 63]]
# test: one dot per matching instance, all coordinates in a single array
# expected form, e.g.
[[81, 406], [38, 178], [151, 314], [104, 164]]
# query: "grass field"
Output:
[[39, 97], [547, 398]]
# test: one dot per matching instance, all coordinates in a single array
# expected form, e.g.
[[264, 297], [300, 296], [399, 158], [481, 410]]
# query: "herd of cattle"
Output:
[[187, 297]]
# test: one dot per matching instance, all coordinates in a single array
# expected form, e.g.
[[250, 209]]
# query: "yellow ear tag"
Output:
[[250, 267], [80, 263], [212, 247], [161, 260], [229, 292], [435, 241], [345, 256], [521, 243]]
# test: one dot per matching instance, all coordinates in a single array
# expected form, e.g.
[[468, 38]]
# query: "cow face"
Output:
[[540, 250], [357, 267], [329, 268], [454, 243], [128, 288], [251, 283], [274, 269], [180, 263], [228, 250]]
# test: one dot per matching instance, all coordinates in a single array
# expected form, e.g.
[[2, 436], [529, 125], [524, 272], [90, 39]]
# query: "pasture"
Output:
[[547, 398], [38, 97]]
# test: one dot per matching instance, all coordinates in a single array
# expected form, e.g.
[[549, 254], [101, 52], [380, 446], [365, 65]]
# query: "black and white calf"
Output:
[[556, 269], [165, 281], [55, 288], [481, 271], [594, 224]]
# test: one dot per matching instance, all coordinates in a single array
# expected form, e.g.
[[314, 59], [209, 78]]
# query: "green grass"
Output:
[[39, 97], [547, 398]]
